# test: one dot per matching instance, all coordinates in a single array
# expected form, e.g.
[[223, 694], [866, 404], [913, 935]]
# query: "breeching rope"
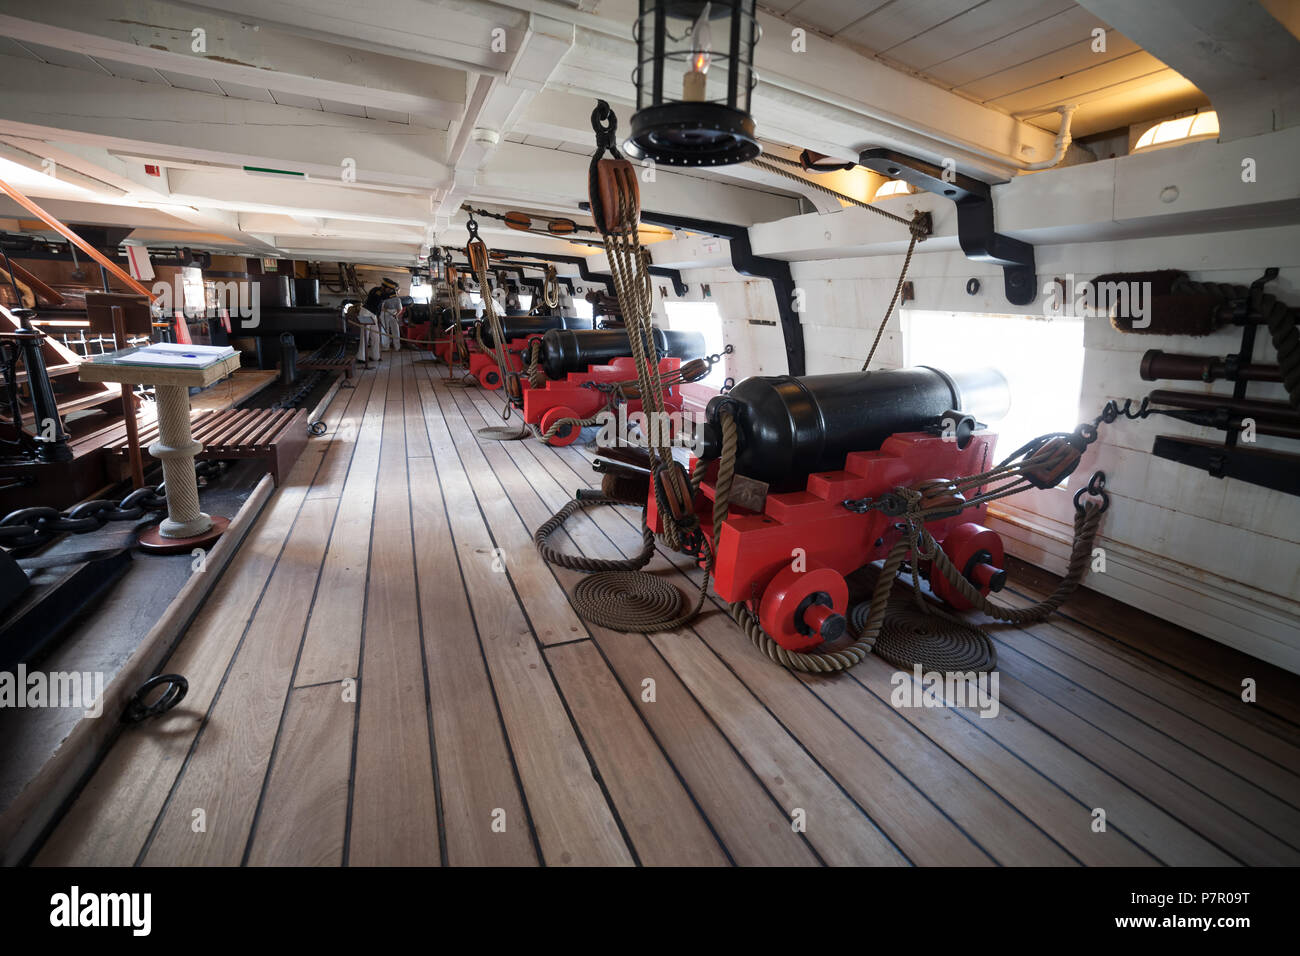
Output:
[[918, 226], [930, 502]]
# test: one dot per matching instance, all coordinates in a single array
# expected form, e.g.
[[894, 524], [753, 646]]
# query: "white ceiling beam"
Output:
[[231, 189], [1236, 53], [161, 36], [511, 178], [801, 97], [565, 117], [137, 189], [1187, 189], [456, 34], [43, 101], [496, 103]]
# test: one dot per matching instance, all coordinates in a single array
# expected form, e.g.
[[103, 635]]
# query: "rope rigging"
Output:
[[620, 595], [919, 226]]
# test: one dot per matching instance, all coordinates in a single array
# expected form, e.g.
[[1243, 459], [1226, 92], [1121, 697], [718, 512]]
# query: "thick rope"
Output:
[[619, 595], [918, 226], [561, 424], [1278, 316], [498, 349], [898, 288], [911, 636]]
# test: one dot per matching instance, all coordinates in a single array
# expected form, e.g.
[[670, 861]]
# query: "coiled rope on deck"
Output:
[[910, 636]]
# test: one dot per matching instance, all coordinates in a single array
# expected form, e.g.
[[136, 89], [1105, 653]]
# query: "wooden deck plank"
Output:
[[548, 608], [1016, 776], [394, 806], [109, 822], [303, 816], [1172, 650], [225, 771], [1192, 767], [1161, 715], [1231, 833], [475, 766], [417, 436], [662, 821], [1229, 716], [332, 648], [338, 455], [573, 821]]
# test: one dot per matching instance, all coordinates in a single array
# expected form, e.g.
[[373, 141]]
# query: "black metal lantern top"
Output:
[[694, 76]]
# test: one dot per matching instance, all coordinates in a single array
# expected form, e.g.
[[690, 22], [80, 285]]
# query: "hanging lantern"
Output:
[[694, 76]]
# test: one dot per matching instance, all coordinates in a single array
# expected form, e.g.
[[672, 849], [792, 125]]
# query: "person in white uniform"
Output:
[[368, 351], [390, 327]]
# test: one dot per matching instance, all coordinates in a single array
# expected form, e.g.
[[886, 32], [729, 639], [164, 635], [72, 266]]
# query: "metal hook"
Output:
[[603, 121], [1096, 487]]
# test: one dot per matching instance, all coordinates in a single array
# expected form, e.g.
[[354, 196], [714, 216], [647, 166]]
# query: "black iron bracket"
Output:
[[604, 278], [519, 267], [975, 232], [743, 260]]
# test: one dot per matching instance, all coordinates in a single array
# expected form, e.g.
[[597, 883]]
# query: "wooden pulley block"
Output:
[[678, 506], [939, 494], [514, 390], [616, 178], [694, 370], [477, 253], [451, 276], [562, 227], [518, 220], [1052, 463]]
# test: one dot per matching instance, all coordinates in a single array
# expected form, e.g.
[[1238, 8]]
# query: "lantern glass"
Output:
[[694, 79]]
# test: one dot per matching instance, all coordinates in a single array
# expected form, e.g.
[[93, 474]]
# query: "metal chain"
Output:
[[31, 526]]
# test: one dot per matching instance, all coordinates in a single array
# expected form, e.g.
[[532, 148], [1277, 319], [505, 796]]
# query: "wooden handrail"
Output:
[[72, 237]]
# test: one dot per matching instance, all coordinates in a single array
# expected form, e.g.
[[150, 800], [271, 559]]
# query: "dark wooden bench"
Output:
[[275, 434], [346, 365]]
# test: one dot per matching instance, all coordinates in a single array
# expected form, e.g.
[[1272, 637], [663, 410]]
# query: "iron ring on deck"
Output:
[[137, 710]]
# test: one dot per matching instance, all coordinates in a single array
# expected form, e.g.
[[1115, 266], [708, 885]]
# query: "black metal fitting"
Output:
[[137, 710]]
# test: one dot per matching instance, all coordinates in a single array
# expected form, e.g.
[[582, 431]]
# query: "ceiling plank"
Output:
[[154, 35], [1242, 58]]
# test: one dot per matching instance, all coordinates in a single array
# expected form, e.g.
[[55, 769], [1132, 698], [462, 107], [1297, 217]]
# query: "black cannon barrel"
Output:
[[792, 427], [568, 350], [522, 326], [418, 312]]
